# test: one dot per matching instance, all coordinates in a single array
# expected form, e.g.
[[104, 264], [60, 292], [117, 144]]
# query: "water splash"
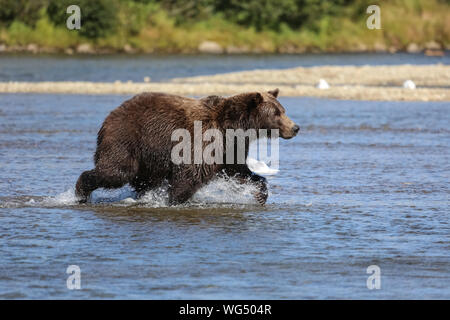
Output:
[[66, 198], [226, 191], [222, 191], [219, 191]]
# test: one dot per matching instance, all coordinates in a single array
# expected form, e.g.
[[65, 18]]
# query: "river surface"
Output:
[[365, 183], [110, 68]]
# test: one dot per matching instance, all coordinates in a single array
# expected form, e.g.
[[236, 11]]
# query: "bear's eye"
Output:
[[277, 113]]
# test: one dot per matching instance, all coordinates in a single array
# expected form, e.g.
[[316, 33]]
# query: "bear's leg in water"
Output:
[[92, 179], [245, 176], [143, 185], [86, 183], [183, 184], [261, 183]]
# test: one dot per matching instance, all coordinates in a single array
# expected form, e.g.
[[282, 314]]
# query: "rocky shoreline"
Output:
[[430, 83], [431, 48]]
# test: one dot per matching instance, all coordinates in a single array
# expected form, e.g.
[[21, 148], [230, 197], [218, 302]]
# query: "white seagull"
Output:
[[409, 84], [323, 84]]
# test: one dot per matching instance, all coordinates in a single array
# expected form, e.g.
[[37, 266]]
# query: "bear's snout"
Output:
[[289, 128], [290, 132]]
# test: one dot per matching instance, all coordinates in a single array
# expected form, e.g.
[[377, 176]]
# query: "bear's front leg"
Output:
[[244, 175], [261, 183]]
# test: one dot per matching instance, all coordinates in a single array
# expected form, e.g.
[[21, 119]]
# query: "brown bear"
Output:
[[134, 144]]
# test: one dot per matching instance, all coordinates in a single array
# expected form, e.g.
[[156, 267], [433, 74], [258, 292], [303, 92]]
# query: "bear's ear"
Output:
[[274, 92]]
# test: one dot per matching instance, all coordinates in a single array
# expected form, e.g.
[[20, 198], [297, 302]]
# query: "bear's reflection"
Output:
[[233, 217]]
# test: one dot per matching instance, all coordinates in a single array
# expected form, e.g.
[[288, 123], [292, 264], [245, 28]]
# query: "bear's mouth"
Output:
[[292, 132], [288, 136]]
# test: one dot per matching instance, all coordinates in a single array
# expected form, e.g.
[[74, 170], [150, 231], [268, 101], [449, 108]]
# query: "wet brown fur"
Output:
[[134, 143]]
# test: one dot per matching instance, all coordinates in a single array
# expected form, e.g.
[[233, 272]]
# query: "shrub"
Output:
[[21, 10]]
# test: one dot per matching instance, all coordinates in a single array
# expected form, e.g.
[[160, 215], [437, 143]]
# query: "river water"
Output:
[[365, 183], [110, 68]]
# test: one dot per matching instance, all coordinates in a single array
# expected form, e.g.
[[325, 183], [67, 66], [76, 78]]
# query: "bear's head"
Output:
[[258, 110]]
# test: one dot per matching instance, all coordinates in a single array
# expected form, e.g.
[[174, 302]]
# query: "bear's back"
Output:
[[148, 120]]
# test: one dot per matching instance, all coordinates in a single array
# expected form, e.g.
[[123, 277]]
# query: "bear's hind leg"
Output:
[[180, 193], [183, 184], [92, 179], [86, 183], [141, 186]]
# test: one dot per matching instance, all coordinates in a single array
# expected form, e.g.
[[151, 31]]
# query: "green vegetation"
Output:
[[178, 26]]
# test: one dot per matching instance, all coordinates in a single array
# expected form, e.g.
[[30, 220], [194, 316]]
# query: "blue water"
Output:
[[163, 67], [365, 183]]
